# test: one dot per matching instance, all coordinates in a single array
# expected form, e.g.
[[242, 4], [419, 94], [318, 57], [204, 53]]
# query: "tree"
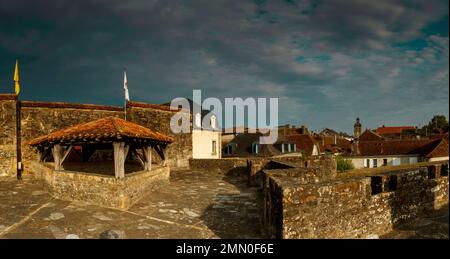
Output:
[[343, 164], [437, 122]]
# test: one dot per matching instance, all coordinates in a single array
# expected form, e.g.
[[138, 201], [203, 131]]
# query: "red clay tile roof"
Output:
[[427, 148], [393, 130], [110, 128], [369, 135], [439, 148], [303, 142], [327, 144]]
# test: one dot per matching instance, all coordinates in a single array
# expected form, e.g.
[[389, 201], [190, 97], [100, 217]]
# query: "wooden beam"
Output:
[[57, 156], [119, 159], [139, 159], [66, 154], [160, 152]]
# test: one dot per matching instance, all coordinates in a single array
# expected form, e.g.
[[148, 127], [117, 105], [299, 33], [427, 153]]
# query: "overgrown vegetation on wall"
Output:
[[344, 164]]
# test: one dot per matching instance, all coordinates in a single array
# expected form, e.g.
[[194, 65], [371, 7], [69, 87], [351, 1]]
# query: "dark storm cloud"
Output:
[[328, 61]]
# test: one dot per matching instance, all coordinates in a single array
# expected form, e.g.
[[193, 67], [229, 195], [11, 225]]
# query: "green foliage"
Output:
[[437, 122], [344, 164]]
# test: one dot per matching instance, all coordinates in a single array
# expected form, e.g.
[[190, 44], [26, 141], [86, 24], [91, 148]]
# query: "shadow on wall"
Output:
[[422, 194], [235, 215]]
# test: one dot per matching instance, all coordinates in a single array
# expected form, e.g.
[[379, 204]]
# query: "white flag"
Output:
[[125, 86]]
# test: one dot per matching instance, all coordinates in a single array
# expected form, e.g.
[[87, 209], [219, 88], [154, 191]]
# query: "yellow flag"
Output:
[[16, 77]]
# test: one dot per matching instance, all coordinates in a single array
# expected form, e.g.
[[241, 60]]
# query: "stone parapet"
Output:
[[351, 207], [102, 190]]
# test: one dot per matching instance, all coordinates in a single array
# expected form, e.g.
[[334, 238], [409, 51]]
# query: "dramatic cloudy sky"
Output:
[[328, 61]]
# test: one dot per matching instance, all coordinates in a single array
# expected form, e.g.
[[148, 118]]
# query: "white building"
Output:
[[206, 139], [371, 154]]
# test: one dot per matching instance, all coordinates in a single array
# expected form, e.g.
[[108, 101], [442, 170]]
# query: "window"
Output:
[[367, 163], [375, 163], [396, 161], [255, 148], [214, 147], [385, 162], [228, 149]]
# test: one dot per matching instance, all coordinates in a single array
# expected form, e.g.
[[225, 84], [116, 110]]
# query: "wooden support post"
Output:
[[148, 157], [139, 158], [40, 154], [57, 156], [119, 159]]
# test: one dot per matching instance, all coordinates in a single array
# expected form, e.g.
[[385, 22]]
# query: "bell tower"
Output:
[[357, 128]]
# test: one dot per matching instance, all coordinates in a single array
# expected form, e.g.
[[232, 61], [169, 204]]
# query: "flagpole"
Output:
[[125, 109], [125, 82]]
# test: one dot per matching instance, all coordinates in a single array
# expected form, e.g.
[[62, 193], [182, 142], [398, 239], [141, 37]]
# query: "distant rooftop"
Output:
[[393, 129]]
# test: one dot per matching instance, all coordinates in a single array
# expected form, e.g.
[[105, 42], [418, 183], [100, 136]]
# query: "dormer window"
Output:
[[255, 148]]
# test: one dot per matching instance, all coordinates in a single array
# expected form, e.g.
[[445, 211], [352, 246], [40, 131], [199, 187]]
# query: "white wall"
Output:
[[202, 144], [315, 151], [358, 162], [434, 159]]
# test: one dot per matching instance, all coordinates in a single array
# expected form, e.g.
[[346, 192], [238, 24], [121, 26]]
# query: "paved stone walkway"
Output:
[[193, 205], [432, 226]]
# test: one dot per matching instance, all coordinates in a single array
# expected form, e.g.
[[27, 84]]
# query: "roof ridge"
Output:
[[438, 143], [117, 128]]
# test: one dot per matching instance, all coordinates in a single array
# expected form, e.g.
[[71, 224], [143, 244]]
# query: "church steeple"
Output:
[[357, 128]]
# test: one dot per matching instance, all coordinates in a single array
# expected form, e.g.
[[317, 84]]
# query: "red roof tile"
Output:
[[393, 130], [404, 147], [327, 144], [438, 149], [369, 135], [303, 142], [110, 128]]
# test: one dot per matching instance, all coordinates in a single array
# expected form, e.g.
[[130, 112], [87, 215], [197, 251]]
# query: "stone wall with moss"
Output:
[[352, 207], [8, 135], [158, 118], [40, 118]]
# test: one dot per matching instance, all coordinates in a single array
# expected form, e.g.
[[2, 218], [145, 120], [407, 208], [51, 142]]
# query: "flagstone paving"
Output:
[[193, 205]]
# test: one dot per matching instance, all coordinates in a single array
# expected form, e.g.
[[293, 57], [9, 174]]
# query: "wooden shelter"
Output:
[[124, 137]]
